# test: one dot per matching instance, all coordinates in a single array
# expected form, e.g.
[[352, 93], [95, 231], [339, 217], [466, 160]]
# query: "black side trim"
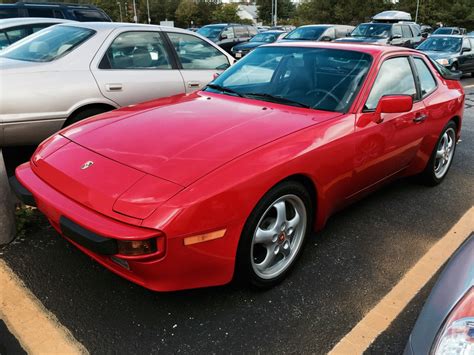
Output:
[[21, 192], [86, 238]]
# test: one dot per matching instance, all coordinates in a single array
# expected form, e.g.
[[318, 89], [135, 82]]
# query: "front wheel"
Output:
[[441, 157], [274, 235]]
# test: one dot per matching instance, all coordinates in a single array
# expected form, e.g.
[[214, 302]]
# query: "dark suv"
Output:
[[84, 13], [227, 35], [403, 34]]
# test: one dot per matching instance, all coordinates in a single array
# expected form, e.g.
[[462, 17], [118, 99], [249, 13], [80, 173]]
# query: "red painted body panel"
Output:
[[193, 164]]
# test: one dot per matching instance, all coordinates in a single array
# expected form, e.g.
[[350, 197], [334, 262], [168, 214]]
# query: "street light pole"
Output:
[[135, 17], [276, 12], [148, 10], [272, 17], [417, 9], [120, 10]]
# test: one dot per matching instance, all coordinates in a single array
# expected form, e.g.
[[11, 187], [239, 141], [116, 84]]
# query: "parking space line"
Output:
[[381, 316], [37, 330]]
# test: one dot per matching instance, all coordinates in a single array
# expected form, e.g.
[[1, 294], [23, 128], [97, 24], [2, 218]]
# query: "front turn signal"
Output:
[[204, 237]]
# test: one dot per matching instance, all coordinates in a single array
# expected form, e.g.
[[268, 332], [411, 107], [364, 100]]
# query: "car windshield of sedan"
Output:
[[443, 31], [48, 44], [379, 30], [265, 37], [317, 78], [441, 44], [210, 31], [306, 33]]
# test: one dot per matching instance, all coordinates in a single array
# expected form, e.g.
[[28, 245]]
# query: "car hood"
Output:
[[363, 40], [248, 45], [183, 138], [440, 55]]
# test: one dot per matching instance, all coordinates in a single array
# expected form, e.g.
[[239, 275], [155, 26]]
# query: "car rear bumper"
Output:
[[180, 267]]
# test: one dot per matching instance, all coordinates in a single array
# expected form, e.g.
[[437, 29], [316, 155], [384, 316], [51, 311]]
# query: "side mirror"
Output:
[[465, 49], [325, 39], [396, 36], [223, 36], [393, 104]]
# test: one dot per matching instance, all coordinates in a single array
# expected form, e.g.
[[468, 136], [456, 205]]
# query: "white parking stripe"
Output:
[[381, 316], [37, 330]]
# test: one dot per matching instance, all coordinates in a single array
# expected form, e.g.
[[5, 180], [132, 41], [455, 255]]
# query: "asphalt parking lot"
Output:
[[345, 270]]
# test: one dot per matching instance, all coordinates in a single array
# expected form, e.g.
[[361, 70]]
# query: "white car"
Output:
[[14, 29], [68, 72]]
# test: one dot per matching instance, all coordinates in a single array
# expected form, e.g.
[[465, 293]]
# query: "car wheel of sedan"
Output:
[[441, 157], [274, 235], [85, 113]]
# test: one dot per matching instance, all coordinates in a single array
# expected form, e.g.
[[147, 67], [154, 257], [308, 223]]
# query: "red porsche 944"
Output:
[[230, 181]]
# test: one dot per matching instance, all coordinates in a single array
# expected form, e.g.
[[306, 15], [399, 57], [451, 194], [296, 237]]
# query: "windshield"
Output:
[[210, 31], [379, 30], [441, 44], [443, 31], [306, 33], [319, 78], [265, 37], [48, 44]]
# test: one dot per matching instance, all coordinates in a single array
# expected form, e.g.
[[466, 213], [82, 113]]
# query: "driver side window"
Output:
[[395, 77], [229, 32]]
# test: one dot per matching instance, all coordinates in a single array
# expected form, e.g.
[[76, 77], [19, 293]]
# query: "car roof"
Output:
[[373, 49], [274, 31], [107, 26], [19, 21]]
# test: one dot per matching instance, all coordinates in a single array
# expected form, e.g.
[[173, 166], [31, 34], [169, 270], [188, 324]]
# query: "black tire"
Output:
[[85, 113], [428, 176], [244, 272]]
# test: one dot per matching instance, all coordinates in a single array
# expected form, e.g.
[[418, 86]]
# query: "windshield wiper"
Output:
[[224, 89], [277, 99]]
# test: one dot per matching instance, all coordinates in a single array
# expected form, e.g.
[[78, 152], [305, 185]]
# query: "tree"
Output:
[[226, 13], [186, 12], [286, 10]]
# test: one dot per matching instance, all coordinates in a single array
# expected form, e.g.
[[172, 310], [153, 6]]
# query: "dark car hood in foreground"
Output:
[[183, 138], [248, 46], [362, 40], [440, 55]]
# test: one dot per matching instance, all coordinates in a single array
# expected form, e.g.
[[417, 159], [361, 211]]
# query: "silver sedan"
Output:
[[68, 72]]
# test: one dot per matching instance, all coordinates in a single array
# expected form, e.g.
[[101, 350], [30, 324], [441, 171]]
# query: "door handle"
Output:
[[113, 87], [194, 84], [420, 118]]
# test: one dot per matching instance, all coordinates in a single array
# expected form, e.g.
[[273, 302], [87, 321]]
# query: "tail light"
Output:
[[457, 335], [137, 247]]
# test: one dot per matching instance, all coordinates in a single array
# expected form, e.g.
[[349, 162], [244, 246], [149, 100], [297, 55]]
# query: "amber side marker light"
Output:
[[136, 247], [204, 237]]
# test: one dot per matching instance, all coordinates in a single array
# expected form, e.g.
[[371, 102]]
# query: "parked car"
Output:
[[396, 34], [76, 12], [453, 52], [449, 31], [446, 322], [68, 72], [426, 30], [228, 182], [227, 35], [14, 29], [318, 33], [258, 40], [263, 28], [471, 34], [285, 28]]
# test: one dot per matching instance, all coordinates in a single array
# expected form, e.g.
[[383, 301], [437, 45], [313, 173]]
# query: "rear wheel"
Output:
[[85, 113], [441, 157], [274, 235]]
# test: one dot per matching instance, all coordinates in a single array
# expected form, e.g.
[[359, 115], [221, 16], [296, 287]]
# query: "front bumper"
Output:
[[181, 267]]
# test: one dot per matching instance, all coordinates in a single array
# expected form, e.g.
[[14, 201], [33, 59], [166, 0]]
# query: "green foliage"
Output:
[[186, 12], [226, 13], [24, 216], [285, 10]]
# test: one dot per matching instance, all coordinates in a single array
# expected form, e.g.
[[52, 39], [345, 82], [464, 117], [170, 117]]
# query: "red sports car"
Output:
[[194, 190]]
